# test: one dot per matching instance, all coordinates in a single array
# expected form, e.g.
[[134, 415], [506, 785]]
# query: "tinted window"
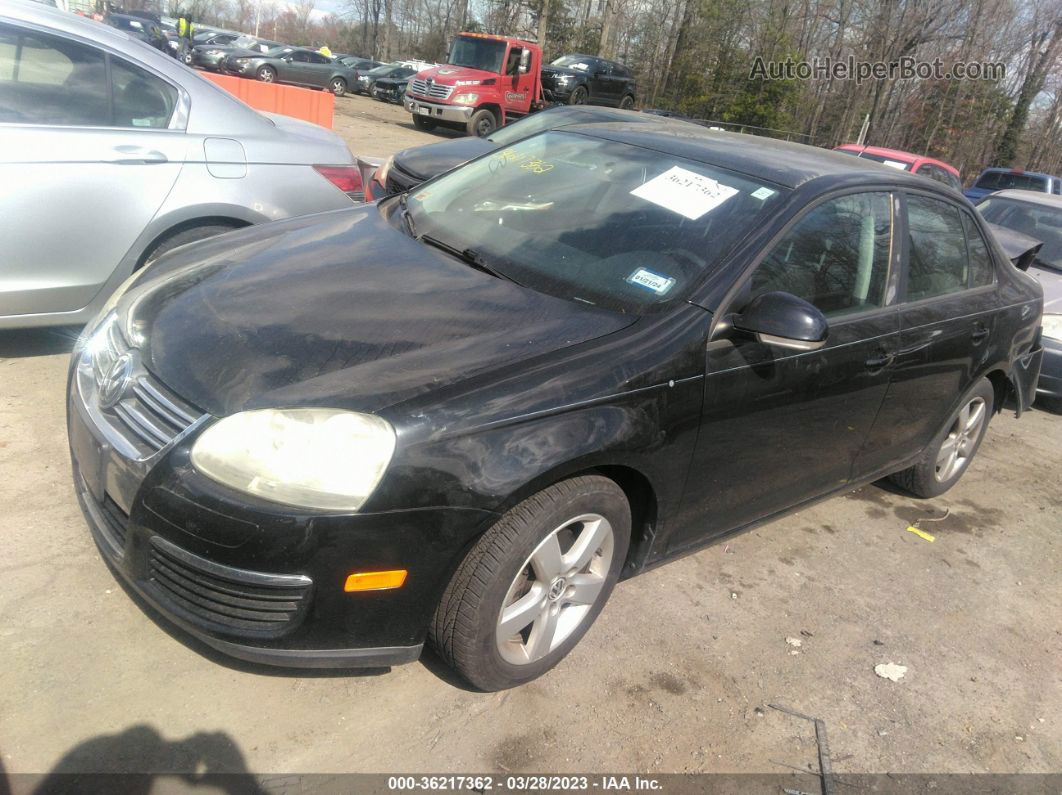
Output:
[[888, 161], [316, 57], [836, 257], [300, 56], [140, 99], [592, 220], [938, 249], [52, 81], [1007, 180], [981, 272]]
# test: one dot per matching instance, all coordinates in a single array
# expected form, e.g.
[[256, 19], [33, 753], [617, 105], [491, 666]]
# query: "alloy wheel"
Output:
[[338, 86], [266, 75], [959, 444], [555, 589]]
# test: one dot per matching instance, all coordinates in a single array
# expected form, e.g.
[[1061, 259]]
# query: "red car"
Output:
[[907, 161]]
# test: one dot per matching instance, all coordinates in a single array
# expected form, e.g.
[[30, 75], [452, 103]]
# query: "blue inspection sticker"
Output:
[[651, 281]]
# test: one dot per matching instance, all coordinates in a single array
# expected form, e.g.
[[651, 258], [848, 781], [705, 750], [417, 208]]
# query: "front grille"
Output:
[[152, 415], [225, 599], [399, 181], [434, 91]]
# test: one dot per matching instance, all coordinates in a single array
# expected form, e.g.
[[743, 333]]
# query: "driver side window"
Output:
[[835, 257]]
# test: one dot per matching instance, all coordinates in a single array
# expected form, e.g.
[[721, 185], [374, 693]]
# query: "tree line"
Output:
[[697, 57]]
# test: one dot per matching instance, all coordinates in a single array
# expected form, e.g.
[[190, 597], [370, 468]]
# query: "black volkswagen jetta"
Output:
[[462, 414]]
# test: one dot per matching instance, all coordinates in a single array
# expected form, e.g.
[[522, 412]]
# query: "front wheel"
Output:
[[267, 74], [482, 123], [627, 102], [338, 86], [532, 586], [953, 448], [579, 96]]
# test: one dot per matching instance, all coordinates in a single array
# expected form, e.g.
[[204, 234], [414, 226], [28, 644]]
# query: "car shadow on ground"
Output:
[[22, 343], [131, 760]]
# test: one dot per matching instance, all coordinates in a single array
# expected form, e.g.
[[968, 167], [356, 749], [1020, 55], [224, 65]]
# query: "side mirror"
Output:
[[785, 321], [525, 61]]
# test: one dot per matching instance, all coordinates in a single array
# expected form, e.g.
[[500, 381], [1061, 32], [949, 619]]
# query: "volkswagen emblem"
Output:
[[115, 380]]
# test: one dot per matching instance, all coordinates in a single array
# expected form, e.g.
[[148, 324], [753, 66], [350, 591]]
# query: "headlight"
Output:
[[1052, 325], [107, 309], [241, 60], [562, 79], [313, 458], [466, 99], [382, 171]]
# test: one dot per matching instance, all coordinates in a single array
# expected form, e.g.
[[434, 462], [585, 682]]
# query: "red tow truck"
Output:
[[486, 82]]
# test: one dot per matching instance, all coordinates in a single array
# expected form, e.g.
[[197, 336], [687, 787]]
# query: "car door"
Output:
[[601, 81], [93, 159], [947, 312], [318, 69], [779, 426], [294, 67]]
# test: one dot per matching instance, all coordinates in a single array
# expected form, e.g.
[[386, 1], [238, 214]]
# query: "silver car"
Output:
[[112, 153]]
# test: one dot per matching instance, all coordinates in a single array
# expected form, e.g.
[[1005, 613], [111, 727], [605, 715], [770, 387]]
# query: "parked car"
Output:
[[587, 79], [398, 69], [121, 153], [222, 39], [995, 179], [295, 65], [358, 64], [1038, 216], [390, 89], [410, 167], [143, 29], [616, 344], [938, 170], [212, 56]]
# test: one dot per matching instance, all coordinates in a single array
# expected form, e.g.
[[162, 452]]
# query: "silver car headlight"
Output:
[[97, 321], [1052, 325], [327, 459]]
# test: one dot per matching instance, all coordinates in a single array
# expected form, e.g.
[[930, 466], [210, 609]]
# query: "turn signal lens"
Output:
[[375, 580], [346, 178]]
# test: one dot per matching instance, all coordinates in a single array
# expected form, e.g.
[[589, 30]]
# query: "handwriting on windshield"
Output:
[[530, 163]]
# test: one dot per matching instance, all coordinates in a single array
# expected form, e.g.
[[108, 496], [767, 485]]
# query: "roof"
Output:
[[897, 154], [1031, 196], [781, 162]]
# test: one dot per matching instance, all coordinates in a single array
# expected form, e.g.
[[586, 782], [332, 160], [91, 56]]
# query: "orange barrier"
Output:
[[301, 103]]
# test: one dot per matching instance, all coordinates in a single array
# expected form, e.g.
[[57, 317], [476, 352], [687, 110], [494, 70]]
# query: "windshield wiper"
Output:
[[407, 216], [469, 256]]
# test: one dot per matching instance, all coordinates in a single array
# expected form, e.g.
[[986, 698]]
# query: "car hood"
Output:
[[448, 75], [554, 71], [424, 162], [338, 309], [235, 52]]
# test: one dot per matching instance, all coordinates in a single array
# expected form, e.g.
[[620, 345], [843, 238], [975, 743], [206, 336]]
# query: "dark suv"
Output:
[[587, 79]]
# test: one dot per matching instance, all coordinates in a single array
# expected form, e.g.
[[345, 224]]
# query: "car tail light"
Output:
[[346, 178]]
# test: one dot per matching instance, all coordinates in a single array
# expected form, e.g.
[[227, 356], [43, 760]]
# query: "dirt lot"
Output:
[[674, 677]]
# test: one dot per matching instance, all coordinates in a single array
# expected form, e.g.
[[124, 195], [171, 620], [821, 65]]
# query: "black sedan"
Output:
[[461, 415], [138, 27], [390, 89], [410, 167]]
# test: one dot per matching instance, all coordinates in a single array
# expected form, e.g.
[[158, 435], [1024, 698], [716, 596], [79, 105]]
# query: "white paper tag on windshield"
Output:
[[762, 193], [895, 164], [685, 192], [651, 281]]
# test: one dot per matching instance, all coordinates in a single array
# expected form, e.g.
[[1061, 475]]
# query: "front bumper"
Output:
[[459, 114], [1050, 383], [212, 62], [256, 581]]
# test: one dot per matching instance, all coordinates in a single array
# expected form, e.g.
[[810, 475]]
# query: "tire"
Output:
[[423, 124], [338, 86], [511, 564], [938, 470], [186, 58], [627, 102], [579, 96], [267, 74], [186, 236], [482, 123]]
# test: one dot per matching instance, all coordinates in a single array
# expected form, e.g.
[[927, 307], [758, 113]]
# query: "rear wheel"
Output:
[[579, 96], [954, 447], [183, 237], [482, 123], [338, 86], [421, 123], [532, 586], [267, 74]]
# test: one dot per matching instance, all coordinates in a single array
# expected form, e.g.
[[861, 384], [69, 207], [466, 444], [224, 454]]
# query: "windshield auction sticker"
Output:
[[685, 192]]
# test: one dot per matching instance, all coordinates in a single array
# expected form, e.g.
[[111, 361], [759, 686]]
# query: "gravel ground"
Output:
[[675, 676]]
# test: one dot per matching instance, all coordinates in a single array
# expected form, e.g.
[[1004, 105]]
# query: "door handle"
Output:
[[979, 333], [128, 155], [880, 361]]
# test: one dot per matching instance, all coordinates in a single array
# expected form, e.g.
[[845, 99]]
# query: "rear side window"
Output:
[[981, 274], [836, 257], [50, 81], [1009, 180], [938, 263]]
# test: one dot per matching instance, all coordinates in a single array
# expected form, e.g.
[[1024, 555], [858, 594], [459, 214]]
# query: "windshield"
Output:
[[1007, 180], [382, 71], [590, 220], [573, 62], [888, 161], [246, 42], [562, 117], [1035, 220], [483, 54], [276, 52]]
